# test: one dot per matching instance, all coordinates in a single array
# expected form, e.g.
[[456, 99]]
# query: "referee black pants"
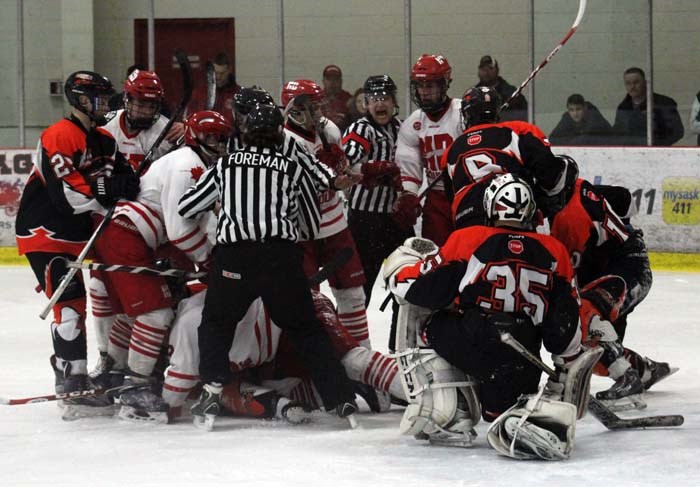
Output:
[[272, 270]]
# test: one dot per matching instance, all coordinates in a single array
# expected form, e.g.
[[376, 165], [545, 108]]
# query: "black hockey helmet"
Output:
[[553, 200], [93, 85], [264, 119], [248, 97], [380, 85], [480, 104]]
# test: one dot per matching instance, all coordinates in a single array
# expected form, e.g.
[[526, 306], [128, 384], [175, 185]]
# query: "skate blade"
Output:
[[72, 412], [204, 423], [133, 415], [628, 403], [672, 370], [460, 441], [352, 420]]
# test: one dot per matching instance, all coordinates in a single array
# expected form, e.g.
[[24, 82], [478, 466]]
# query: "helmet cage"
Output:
[[208, 132], [430, 67]]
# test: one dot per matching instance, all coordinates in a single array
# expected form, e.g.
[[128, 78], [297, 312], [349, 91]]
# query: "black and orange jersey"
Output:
[[496, 269], [54, 212], [590, 230], [487, 150]]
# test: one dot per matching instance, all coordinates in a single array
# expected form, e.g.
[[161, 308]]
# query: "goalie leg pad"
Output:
[[578, 380], [536, 427], [442, 399]]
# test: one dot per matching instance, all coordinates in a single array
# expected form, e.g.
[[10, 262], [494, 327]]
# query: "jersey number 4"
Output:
[[520, 289]]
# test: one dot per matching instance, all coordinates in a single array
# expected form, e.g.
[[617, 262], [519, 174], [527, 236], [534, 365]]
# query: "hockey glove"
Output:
[[406, 210], [333, 158], [107, 190], [375, 173]]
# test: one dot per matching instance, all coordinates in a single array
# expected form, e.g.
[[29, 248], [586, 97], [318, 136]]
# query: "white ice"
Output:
[[37, 448]]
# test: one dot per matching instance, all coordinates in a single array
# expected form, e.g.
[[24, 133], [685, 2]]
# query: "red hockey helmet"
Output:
[[292, 89], [144, 88], [209, 132], [431, 67]]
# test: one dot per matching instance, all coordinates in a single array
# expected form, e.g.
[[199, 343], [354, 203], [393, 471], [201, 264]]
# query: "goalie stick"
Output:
[[338, 260], [601, 412], [184, 64], [531, 76]]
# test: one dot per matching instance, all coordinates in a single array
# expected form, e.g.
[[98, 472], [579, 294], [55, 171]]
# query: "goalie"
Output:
[[484, 281]]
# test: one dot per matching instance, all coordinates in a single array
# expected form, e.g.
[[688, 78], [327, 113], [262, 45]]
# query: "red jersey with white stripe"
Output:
[[332, 215], [154, 212], [422, 140], [136, 146]]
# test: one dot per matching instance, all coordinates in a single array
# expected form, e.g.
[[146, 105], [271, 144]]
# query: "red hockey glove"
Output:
[[379, 173], [333, 158], [406, 210]]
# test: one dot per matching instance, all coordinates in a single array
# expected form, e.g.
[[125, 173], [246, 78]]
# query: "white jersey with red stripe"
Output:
[[421, 143], [332, 216], [154, 212], [136, 146]]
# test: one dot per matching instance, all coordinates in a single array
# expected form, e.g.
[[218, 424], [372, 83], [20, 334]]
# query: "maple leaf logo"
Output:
[[196, 173]]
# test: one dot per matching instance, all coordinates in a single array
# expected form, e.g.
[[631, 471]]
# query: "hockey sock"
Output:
[[375, 369], [119, 338], [352, 313], [147, 339], [102, 313]]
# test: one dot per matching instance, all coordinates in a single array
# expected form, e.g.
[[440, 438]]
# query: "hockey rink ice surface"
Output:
[[37, 448]]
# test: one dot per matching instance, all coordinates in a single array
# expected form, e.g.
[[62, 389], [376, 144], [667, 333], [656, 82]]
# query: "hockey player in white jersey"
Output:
[[423, 138], [135, 128], [132, 237], [283, 389], [321, 137]]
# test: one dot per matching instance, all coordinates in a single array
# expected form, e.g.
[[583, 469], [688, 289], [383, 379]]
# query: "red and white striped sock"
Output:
[[119, 337], [352, 313], [147, 339]]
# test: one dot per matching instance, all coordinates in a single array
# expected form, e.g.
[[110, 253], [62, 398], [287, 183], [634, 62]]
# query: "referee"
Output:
[[266, 198]]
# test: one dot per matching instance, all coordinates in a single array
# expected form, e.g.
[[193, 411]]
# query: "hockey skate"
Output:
[[59, 377], [86, 406], [140, 403], [652, 372], [347, 410], [205, 411], [378, 401], [292, 411], [625, 393], [104, 375]]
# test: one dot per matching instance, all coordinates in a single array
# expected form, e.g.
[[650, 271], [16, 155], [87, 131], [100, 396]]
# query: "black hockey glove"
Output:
[[107, 190]]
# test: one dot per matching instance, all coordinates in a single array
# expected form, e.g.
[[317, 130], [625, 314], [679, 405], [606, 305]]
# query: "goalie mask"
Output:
[[304, 101], [97, 88], [508, 201], [480, 104], [430, 79], [143, 96], [207, 132]]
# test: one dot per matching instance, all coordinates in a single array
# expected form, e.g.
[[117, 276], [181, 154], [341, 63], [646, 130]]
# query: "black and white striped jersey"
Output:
[[363, 141], [264, 195]]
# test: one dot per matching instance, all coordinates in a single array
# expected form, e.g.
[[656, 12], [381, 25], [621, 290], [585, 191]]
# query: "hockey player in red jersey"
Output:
[[141, 227], [320, 136], [489, 148], [504, 278], [77, 172], [611, 264], [424, 136]]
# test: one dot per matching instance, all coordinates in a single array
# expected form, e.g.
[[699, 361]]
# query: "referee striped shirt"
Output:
[[264, 195], [364, 141]]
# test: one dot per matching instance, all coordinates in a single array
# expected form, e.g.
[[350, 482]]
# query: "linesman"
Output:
[[267, 202]]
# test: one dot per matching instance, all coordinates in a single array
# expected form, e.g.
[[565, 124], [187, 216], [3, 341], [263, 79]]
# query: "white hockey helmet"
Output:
[[508, 201]]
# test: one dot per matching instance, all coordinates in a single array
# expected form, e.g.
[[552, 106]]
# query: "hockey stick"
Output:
[[601, 412], [211, 86], [184, 64], [572, 30], [96, 266], [338, 261], [115, 391]]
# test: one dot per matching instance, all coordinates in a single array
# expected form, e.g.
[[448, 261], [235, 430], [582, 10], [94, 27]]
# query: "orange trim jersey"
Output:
[[590, 230], [54, 212], [495, 269], [485, 151]]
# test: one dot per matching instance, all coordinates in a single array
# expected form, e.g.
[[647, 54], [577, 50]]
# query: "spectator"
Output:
[[631, 117], [226, 88], [116, 101], [695, 116], [581, 124], [336, 103], [356, 106], [488, 76]]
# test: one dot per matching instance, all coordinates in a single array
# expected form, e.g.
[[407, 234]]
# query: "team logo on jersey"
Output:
[[516, 246], [196, 172], [474, 139], [417, 125]]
